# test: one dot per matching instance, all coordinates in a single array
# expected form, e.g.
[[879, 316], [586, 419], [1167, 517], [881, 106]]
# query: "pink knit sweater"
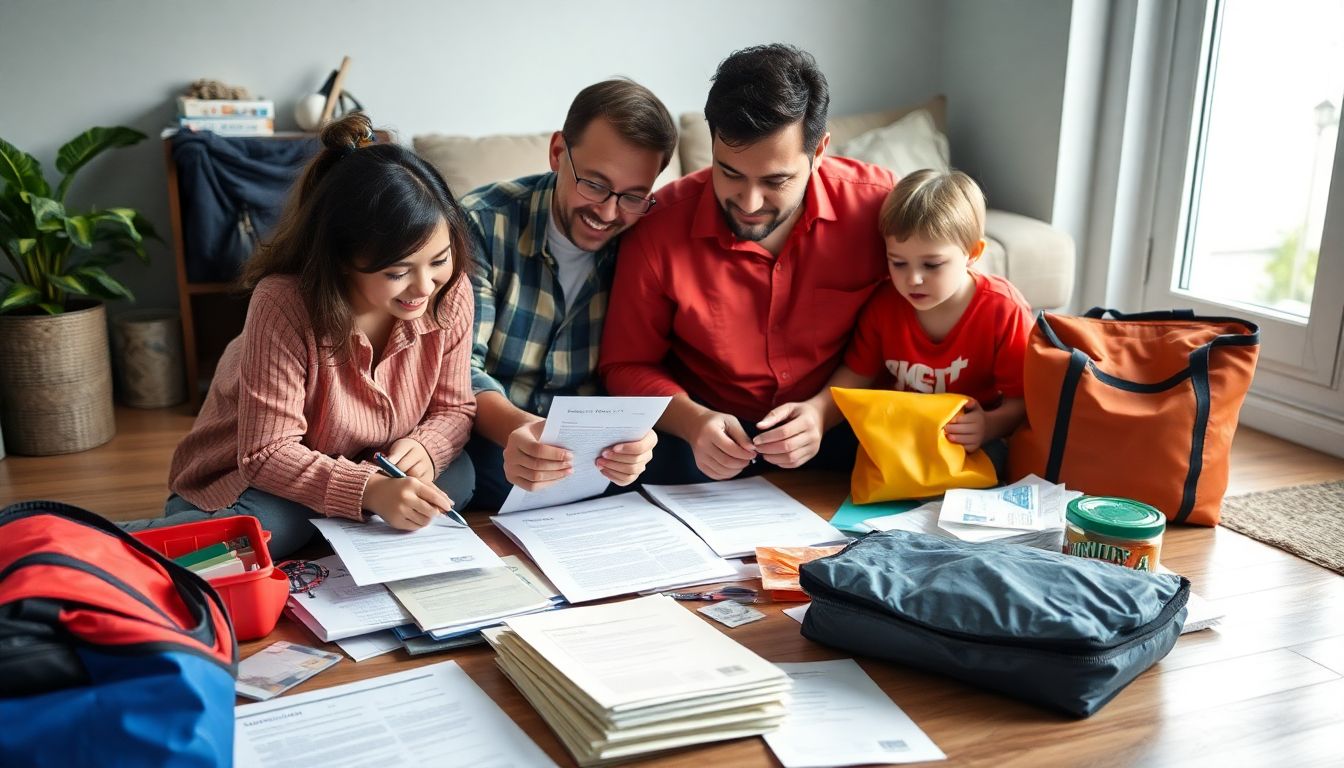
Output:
[[282, 419]]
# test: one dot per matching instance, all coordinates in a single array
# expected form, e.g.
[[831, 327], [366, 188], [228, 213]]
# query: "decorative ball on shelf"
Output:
[[313, 111], [308, 111]]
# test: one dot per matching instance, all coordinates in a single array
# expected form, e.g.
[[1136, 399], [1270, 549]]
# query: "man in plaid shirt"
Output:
[[545, 255]]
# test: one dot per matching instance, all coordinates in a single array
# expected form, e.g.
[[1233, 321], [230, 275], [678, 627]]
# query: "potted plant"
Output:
[[55, 371]]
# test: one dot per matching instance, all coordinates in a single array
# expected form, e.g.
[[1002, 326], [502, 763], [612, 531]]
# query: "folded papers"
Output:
[[624, 679]]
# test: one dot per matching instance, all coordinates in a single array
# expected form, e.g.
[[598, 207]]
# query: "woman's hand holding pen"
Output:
[[406, 503]]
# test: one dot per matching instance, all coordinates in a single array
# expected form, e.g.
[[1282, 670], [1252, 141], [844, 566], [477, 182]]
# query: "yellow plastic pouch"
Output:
[[903, 452]]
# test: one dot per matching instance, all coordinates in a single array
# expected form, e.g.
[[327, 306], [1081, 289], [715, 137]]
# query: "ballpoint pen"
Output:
[[735, 594], [392, 470]]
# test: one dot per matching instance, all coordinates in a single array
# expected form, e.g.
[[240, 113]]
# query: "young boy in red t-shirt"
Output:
[[941, 325]]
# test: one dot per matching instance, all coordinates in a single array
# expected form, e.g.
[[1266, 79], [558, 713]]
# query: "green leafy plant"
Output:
[[1280, 269], [53, 253]]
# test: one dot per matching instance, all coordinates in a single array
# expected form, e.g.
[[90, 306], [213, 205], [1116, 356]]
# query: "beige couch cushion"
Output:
[[695, 141], [910, 144], [467, 162]]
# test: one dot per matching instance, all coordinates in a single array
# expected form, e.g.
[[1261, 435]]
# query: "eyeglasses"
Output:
[[597, 192], [304, 576]]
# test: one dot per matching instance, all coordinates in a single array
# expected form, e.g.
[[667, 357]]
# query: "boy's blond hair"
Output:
[[943, 206]]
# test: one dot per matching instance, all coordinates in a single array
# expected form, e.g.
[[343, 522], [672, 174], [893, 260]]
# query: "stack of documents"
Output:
[[338, 608], [614, 545], [375, 553], [1029, 512], [734, 517], [624, 679], [429, 609]]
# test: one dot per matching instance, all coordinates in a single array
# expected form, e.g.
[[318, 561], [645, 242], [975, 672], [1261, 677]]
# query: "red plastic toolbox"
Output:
[[254, 599]]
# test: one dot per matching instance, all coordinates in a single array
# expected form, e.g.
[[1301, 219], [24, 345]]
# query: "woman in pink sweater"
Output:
[[357, 339]]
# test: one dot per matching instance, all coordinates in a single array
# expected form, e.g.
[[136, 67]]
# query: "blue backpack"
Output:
[[109, 652]]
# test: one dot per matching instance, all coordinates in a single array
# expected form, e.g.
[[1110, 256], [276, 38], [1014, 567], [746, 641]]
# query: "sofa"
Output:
[[1036, 257]]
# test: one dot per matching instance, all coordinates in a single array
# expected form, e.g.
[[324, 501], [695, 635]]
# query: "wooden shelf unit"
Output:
[[212, 312]]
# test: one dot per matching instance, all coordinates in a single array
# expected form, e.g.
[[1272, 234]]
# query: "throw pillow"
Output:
[[907, 145]]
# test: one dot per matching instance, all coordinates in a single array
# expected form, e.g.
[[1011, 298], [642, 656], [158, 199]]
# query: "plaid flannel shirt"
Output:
[[528, 345]]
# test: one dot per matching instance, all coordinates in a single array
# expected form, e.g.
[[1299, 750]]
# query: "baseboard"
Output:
[[1313, 429]]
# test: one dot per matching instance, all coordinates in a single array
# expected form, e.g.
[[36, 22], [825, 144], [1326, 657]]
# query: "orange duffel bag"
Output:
[[1142, 406]]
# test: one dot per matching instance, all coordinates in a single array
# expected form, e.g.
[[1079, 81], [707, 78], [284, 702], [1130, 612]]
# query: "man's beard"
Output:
[[754, 232]]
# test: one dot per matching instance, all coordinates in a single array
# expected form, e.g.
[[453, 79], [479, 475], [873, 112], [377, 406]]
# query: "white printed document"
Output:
[[430, 716], [613, 545], [340, 608], [367, 646], [585, 426], [375, 552], [467, 597], [1015, 506], [736, 516], [838, 716]]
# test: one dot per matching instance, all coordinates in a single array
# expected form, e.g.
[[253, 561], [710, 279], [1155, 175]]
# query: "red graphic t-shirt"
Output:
[[980, 358]]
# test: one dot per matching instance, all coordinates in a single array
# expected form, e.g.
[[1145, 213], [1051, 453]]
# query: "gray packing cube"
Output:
[[1054, 629]]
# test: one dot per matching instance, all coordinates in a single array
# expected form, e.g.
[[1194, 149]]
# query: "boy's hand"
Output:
[[406, 503], [721, 447], [793, 436], [623, 462], [412, 458], [531, 464], [968, 429]]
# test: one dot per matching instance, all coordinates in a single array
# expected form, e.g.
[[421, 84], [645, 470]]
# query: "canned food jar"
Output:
[[1114, 530]]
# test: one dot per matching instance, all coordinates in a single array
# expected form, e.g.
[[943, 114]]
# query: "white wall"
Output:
[[1003, 65], [417, 66], [476, 68]]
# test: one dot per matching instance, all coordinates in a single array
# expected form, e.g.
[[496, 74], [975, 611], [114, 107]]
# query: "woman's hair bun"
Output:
[[348, 133]]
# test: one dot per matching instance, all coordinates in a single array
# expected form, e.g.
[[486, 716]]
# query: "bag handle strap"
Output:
[[1078, 361], [194, 591], [1100, 313], [1199, 383]]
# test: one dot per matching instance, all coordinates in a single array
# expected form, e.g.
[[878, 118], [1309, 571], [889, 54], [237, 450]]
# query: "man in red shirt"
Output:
[[738, 293]]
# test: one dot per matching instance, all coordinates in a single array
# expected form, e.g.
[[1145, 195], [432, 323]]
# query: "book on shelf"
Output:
[[225, 108], [230, 126]]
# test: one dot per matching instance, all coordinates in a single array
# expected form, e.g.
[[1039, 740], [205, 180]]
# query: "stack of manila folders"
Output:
[[630, 678]]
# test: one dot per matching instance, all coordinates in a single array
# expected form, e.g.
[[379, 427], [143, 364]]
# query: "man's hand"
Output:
[[529, 463], [791, 434], [721, 447], [406, 503], [622, 463], [412, 458], [968, 428]]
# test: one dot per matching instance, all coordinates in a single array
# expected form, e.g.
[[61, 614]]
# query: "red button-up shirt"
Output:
[[695, 310]]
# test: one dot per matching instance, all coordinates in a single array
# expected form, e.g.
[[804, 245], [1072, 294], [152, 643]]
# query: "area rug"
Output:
[[1306, 520]]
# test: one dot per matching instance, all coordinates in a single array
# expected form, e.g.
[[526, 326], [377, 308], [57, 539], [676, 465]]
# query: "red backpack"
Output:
[[109, 653]]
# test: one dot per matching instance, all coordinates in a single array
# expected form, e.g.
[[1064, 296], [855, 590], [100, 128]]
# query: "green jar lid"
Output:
[[1114, 516]]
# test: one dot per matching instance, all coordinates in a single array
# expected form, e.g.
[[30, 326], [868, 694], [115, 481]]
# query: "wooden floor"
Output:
[[1264, 688]]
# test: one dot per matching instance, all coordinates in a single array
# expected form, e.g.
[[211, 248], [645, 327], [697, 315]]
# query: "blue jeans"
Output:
[[286, 520]]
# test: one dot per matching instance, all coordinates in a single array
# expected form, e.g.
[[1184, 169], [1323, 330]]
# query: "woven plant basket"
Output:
[[55, 382]]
